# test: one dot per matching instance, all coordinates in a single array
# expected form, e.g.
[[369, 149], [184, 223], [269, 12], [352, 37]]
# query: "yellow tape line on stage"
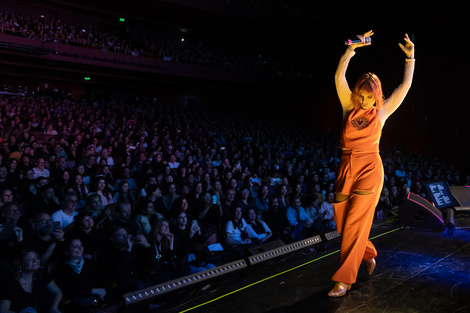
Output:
[[278, 274]]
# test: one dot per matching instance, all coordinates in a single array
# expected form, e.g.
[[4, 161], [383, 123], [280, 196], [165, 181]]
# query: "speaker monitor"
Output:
[[461, 194], [418, 212]]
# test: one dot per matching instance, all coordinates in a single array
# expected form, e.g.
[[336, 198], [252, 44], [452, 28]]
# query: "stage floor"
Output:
[[418, 270]]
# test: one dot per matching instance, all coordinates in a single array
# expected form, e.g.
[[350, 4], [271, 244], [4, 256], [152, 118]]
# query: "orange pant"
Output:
[[360, 176]]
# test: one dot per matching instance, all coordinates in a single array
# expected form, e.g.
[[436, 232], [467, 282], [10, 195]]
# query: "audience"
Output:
[[262, 174], [163, 46]]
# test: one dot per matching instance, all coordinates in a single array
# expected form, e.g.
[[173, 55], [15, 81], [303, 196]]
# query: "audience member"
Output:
[[259, 230], [237, 234], [117, 262], [326, 211], [79, 279], [29, 288], [299, 221], [66, 215]]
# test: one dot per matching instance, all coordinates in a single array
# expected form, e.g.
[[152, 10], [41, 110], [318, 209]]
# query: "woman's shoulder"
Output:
[[229, 225]]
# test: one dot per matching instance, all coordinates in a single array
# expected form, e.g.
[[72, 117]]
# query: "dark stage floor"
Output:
[[418, 270]]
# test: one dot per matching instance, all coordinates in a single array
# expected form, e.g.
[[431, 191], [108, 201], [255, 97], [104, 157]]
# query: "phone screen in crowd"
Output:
[[55, 226], [214, 199]]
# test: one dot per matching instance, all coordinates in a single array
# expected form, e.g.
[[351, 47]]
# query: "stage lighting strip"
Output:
[[261, 257], [332, 235], [150, 292], [278, 274]]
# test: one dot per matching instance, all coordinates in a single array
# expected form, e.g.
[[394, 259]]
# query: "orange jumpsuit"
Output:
[[360, 174], [360, 170]]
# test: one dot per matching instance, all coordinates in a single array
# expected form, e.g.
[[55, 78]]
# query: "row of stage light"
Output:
[[134, 297]]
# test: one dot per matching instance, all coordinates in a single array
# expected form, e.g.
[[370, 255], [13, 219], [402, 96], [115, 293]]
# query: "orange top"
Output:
[[361, 131]]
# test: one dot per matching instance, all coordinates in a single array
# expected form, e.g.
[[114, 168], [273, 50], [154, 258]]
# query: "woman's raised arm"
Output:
[[342, 87], [397, 97]]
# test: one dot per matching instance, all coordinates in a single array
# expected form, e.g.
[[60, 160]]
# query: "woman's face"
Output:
[[101, 184], [233, 183], [284, 190], [184, 205], [150, 209], [87, 222], [265, 191], [125, 188], [237, 214], [30, 262], [66, 175], [198, 188], [78, 179], [172, 189], [366, 99], [81, 169], [164, 228], [251, 215], [75, 250]]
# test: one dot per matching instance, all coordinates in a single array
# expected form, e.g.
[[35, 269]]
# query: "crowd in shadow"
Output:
[[167, 46], [113, 193]]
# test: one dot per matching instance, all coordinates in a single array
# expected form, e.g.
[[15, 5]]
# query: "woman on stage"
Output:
[[360, 173]]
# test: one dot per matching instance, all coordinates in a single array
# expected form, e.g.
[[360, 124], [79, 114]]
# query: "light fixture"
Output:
[[274, 253], [332, 235], [156, 290]]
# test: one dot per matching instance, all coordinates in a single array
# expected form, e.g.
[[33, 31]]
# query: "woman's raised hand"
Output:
[[364, 41], [364, 36], [408, 48]]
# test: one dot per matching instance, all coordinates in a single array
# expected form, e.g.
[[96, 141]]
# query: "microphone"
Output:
[[350, 42]]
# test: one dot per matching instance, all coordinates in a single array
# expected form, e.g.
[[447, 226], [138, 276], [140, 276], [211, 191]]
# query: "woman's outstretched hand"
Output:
[[408, 48]]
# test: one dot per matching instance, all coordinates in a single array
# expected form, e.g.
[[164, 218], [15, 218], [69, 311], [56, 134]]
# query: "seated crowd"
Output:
[[164, 46], [112, 194]]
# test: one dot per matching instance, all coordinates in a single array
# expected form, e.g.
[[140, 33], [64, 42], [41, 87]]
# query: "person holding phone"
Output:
[[66, 215], [360, 174]]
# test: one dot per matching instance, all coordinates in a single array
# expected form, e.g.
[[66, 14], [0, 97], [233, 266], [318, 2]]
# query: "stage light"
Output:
[[87, 78], [150, 292], [274, 253], [122, 19]]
